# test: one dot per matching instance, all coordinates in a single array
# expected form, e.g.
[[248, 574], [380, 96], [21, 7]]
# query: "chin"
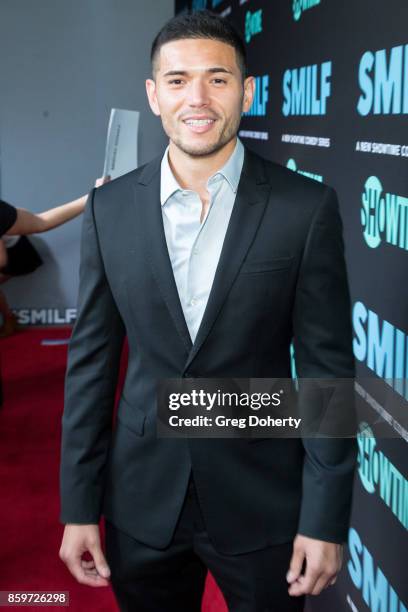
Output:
[[201, 149]]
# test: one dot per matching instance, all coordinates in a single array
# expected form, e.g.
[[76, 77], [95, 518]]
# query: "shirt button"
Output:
[[195, 251], [184, 193], [193, 301]]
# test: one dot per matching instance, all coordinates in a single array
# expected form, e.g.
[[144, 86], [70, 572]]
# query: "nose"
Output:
[[197, 94]]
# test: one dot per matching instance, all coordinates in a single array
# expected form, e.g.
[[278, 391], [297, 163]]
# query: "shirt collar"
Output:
[[231, 171]]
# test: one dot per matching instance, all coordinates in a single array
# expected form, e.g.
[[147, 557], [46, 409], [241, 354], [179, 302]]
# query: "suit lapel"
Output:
[[156, 246], [250, 202]]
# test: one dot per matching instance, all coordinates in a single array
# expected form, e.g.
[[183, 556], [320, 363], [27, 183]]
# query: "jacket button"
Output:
[[187, 375]]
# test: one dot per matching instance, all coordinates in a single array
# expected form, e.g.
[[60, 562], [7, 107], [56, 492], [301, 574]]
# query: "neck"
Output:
[[192, 172]]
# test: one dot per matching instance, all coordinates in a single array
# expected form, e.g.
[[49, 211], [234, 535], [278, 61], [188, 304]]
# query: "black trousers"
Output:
[[145, 579]]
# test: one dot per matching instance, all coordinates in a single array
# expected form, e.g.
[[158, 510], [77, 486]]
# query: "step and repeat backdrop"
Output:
[[332, 104]]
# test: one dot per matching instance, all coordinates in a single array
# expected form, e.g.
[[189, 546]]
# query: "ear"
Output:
[[249, 91], [152, 96]]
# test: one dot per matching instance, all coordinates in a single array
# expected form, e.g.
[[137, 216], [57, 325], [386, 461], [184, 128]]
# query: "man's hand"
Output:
[[323, 562], [77, 540]]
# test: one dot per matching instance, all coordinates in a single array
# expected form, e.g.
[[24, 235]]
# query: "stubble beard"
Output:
[[228, 132]]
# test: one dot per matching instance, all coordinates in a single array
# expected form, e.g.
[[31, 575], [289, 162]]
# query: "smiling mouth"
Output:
[[198, 122], [199, 125]]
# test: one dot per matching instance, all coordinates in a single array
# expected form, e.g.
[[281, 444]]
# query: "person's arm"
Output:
[[32, 223], [3, 254], [91, 379], [323, 350]]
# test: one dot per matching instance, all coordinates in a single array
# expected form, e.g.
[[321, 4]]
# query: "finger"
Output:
[[321, 584], [296, 588], [102, 180], [74, 566], [99, 559], [305, 584], [90, 569], [87, 564], [295, 565]]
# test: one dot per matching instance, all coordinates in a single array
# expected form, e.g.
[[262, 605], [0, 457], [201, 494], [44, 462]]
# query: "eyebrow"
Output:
[[208, 70]]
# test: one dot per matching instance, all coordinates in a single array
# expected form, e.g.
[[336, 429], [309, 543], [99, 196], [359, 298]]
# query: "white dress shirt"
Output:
[[195, 247]]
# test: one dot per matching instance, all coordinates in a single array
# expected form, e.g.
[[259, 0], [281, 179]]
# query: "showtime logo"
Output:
[[298, 6], [379, 475], [291, 164], [368, 577], [384, 216], [253, 24]]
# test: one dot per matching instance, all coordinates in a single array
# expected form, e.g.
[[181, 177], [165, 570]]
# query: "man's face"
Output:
[[199, 94]]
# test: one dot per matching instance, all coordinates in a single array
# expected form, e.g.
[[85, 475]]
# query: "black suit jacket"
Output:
[[281, 276]]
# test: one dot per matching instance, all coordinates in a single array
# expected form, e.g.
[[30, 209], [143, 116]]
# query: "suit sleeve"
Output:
[[323, 349], [90, 384]]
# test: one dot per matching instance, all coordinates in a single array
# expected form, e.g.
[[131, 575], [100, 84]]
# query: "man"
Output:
[[219, 259]]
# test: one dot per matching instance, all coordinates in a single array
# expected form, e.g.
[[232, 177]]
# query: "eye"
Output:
[[175, 82], [219, 81]]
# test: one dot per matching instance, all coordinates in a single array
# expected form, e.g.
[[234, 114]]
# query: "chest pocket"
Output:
[[266, 265]]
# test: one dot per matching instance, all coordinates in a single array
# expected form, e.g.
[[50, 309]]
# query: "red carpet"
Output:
[[30, 427]]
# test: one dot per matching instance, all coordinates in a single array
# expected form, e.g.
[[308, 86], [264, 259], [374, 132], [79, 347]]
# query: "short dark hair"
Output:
[[200, 24]]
